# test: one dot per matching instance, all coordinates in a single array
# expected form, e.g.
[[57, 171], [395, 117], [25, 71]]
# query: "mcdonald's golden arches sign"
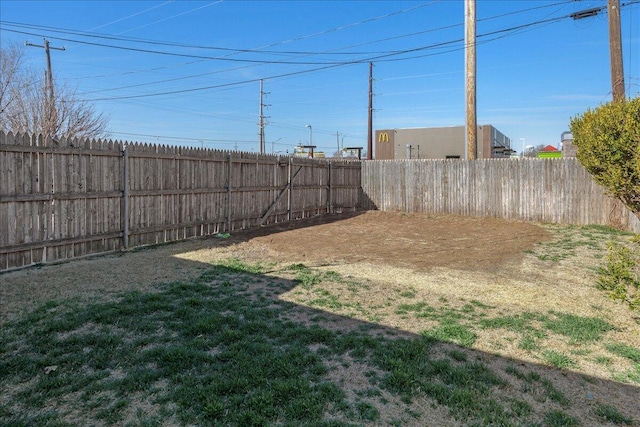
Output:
[[384, 144]]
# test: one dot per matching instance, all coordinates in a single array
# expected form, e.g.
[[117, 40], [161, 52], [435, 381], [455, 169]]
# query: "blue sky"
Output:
[[187, 72]]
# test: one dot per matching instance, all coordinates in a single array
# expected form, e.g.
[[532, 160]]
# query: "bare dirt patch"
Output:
[[411, 241]]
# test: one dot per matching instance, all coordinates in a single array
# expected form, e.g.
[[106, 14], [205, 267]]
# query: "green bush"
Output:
[[608, 143], [620, 276]]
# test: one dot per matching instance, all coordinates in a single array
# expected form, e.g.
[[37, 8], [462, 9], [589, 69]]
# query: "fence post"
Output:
[[276, 175], [290, 182], [330, 188], [125, 197], [49, 174], [229, 161]]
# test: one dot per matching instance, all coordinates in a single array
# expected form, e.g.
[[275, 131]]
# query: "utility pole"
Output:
[[615, 50], [470, 72], [370, 124], [50, 107], [262, 123], [615, 44], [617, 74]]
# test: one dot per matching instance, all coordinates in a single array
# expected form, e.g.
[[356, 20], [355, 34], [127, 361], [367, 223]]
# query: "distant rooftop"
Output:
[[549, 149]]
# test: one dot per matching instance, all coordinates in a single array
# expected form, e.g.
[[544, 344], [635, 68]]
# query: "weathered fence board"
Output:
[[542, 190], [62, 199]]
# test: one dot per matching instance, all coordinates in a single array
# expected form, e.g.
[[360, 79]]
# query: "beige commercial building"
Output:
[[439, 143]]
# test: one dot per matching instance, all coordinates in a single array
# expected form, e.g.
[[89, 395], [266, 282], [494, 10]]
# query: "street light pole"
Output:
[[310, 134], [273, 143]]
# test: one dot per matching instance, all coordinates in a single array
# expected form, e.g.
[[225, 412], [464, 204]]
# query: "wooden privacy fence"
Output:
[[62, 199], [542, 190]]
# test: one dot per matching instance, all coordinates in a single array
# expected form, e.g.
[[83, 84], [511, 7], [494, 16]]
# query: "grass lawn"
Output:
[[255, 344]]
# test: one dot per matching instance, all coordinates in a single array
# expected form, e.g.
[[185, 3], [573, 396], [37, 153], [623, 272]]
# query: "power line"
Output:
[[334, 51], [261, 50], [279, 52], [175, 138], [175, 92], [365, 21], [256, 50], [132, 15], [176, 54], [379, 58], [172, 16]]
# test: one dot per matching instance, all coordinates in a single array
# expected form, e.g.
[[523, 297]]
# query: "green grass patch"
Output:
[[604, 230], [578, 328], [236, 265], [513, 322], [529, 342], [220, 356], [308, 277], [572, 238], [419, 307], [559, 360], [559, 419], [540, 388], [408, 294], [522, 324], [624, 350], [603, 360], [631, 375], [452, 332], [612, 414]]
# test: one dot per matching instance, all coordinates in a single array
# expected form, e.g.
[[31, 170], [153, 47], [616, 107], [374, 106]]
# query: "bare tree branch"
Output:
[[25, 106]]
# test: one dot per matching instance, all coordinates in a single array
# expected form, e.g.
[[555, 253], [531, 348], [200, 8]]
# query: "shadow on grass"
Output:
[[101, 274], [224, 348]]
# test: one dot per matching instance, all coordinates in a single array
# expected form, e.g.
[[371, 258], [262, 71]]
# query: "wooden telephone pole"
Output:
[[471, 136], [615, 50], [50, 117], [615, 44], [370, 116]]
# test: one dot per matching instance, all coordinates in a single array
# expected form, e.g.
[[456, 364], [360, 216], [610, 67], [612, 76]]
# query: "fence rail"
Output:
[[62, 199], [542, 190]]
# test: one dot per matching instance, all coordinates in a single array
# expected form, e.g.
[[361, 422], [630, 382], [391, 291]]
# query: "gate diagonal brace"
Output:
[[282, 193]]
